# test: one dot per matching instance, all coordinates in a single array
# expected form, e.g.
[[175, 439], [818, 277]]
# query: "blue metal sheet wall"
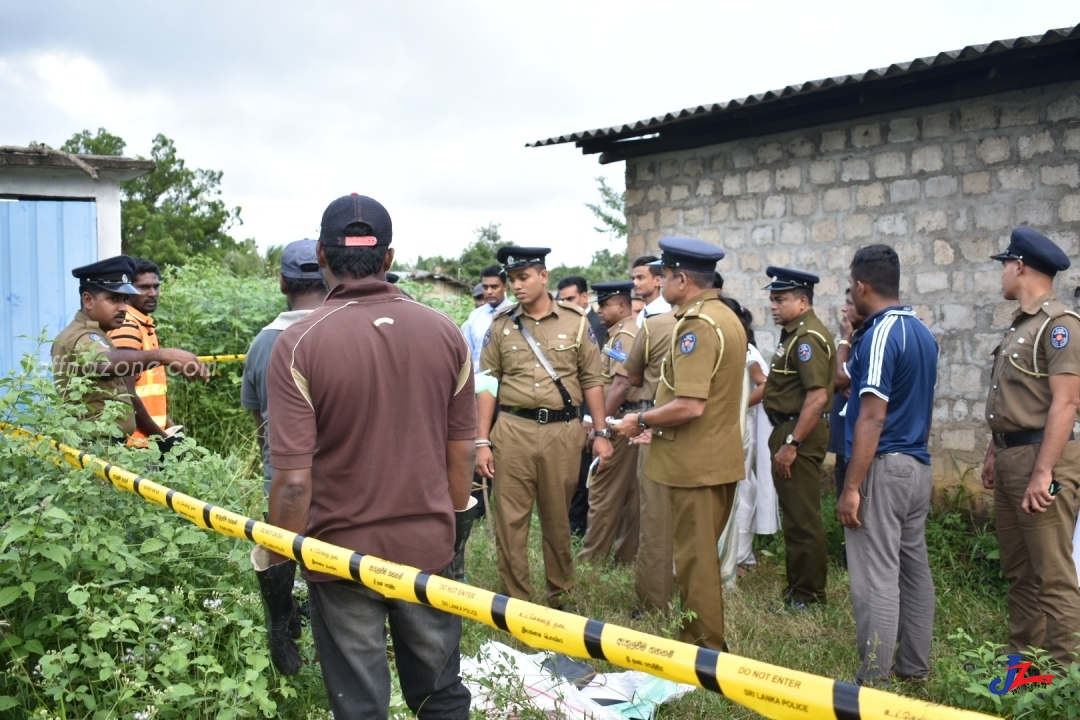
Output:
[[40, 242]]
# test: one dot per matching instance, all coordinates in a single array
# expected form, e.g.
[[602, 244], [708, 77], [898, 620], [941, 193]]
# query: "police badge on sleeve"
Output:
[[1059, 337]]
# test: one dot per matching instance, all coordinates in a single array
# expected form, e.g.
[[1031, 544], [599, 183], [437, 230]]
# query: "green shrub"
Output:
[[112, 607]]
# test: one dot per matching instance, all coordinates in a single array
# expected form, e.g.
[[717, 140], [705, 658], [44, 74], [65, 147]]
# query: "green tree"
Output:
[[473, 259], [610, 211], [173, 213]]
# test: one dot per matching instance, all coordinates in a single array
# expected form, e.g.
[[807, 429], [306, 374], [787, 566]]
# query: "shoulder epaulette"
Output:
[[571, 306], [506, 310]]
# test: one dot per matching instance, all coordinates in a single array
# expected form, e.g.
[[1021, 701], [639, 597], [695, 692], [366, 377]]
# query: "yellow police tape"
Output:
[[772, 691], [220, 358]]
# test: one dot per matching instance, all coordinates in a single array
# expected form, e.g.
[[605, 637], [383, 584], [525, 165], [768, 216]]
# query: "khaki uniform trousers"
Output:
[[700, 515], [613, 506], [654, 577], [1036, 553], [800, 501], [535, 464]]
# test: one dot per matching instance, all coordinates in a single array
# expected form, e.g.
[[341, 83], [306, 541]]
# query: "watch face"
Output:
[[789, 439]]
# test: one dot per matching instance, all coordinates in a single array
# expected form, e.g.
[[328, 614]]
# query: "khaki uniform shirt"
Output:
[[568, 343], [78, 346], [707, 361], [804, 359], [1020, 396], [650, 351], [620, 341]]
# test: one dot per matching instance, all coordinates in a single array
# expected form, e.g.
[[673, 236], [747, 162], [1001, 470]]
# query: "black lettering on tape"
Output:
[[420, 587], [249, 526], [594, 629], [206, 510], [498, 612], [845, 700], [705, 668], [168, 499]]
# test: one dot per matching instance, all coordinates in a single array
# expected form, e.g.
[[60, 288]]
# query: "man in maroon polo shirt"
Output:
[[372, 447]]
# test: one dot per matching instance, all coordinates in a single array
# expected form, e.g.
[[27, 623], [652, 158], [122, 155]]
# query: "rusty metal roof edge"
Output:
[[946, 57]]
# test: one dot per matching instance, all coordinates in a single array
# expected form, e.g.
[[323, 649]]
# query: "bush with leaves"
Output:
[[113, 607]]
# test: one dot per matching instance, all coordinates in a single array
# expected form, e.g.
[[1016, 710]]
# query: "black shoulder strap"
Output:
[[567, 400]]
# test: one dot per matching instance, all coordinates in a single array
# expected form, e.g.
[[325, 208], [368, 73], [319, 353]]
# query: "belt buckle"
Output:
[[542, 416], [999, 441]]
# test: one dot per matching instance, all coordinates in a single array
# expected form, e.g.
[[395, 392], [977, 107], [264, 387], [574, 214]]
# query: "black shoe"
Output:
[[637, 614], [790, 605]]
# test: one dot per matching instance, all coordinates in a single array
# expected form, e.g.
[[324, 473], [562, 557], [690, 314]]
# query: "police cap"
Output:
[[513, 257], [114, 274], [788, 279], [605, 290], [689, 254], [1036, 250]]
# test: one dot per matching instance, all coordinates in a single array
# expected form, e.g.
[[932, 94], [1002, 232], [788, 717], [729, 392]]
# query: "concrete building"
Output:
[[57, 212], [939, 157]]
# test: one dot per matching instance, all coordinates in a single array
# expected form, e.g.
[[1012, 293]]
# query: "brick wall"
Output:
[[943, 185]]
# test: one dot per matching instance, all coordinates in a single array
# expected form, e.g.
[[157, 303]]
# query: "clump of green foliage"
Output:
[[112, 607]]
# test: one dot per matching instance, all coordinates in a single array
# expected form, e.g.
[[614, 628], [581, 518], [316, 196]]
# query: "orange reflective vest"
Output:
[[137, 333]]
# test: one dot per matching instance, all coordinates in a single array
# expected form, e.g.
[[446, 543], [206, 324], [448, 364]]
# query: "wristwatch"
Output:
[[642, 425], [605, 433], [790, 440]]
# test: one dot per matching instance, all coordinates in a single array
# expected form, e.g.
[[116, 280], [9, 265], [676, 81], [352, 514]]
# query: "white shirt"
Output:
[[659, 306], [477, 326]]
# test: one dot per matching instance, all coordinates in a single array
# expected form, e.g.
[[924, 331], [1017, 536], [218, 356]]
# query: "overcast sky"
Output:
[[427, 106]]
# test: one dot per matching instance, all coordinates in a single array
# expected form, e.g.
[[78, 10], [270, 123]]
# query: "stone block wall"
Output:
[[943, 185]]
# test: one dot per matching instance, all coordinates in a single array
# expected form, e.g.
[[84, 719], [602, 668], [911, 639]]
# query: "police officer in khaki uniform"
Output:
[[1033, 459], [698, 403], [613, 492], [654, 579], [84, 347], [800, 384], [533, 453]]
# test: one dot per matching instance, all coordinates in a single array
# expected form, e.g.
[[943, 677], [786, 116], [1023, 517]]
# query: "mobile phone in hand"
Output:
[[1055, 488]]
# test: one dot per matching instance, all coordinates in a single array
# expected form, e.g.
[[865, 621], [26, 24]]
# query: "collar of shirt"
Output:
[[659, 306], [287, 318], [869, 322], [144, 320], [1035, 305], [360, 290], [794, 324], [701, 297], [555, 309], [492, 310], [89, 322]]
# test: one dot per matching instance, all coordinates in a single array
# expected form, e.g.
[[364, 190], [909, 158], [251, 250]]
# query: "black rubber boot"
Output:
[[464, 523], [276, 588]]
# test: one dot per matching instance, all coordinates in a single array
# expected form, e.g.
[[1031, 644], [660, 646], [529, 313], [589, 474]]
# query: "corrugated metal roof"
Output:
[[944, 59]]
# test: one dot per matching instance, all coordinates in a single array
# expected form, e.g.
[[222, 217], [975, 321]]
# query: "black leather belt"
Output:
[[543, 415], [1021, 437], [775, 420], [635, 406]]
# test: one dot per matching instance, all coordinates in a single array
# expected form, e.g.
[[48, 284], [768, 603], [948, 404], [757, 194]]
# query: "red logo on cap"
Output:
[[354, 193], [365, 241]]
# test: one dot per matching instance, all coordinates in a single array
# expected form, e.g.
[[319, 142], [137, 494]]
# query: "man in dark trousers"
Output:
[[797, 393], [886, 497], [574, 290], [378, 467]]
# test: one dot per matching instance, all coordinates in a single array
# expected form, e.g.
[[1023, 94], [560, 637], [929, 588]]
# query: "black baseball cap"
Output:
[[299, 261], [356, 208]]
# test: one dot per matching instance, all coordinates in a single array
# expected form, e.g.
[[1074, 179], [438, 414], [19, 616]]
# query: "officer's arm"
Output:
[[679, 411], [1065, 390], [616, 395], [812, 407]]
